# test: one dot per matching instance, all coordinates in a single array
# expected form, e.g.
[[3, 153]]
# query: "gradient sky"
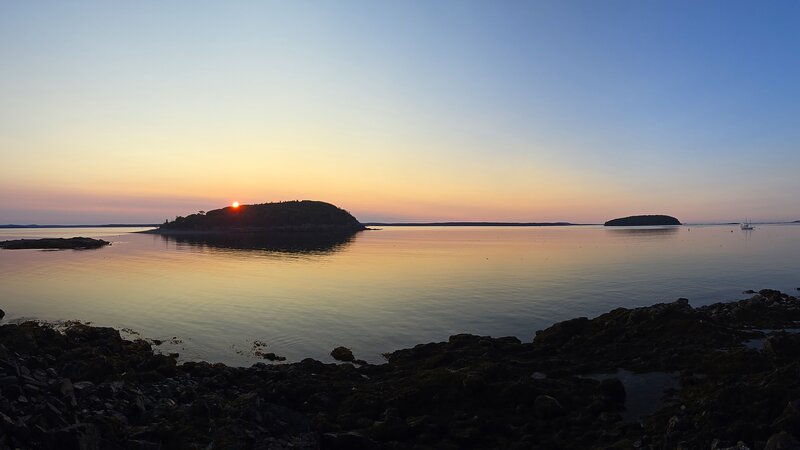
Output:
[[521, 111]]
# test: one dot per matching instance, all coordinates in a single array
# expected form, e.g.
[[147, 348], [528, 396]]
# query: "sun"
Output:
[[235, 204]]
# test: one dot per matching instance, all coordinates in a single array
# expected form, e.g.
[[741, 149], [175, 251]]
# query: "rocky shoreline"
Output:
[[665, 376], [75, 243]]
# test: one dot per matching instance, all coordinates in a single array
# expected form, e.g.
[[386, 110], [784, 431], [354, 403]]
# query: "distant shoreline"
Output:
[[474, 224], [111, 225], [399, 224], [384, 224]]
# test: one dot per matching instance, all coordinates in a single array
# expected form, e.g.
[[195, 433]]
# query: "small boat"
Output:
[[746, 225]]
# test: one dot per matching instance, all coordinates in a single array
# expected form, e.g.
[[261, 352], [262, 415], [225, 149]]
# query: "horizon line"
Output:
[[399, 224]]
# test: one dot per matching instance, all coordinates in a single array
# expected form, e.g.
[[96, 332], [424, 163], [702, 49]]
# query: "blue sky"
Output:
[[557, 110]]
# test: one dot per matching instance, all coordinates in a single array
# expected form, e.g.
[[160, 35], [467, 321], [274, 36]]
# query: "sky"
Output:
[[135, 112]]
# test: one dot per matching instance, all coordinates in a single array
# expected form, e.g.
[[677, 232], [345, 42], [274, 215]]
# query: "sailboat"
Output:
[[746, 225]]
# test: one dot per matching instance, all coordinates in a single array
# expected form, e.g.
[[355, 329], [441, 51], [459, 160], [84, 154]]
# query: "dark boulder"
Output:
[[613, 390], [347, 441], [547, 407], [789, 420], [81, 436], [273, 357], [562, 332], [343, 354], [782, 441], [783, 345]]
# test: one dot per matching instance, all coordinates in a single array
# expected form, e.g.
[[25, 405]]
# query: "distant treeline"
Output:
[[109, 225], [471, 224]]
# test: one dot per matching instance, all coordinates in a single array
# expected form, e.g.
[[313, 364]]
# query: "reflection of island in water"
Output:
[[275, 241], [669, 230]]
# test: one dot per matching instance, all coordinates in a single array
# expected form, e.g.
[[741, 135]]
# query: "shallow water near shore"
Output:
[[385, 289], [644, 391]]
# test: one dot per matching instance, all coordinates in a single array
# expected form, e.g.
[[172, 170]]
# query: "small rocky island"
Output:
[[75, 243], [291, 216], [643, 221]]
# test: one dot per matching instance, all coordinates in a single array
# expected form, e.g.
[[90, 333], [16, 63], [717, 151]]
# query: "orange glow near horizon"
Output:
[[235, 204]]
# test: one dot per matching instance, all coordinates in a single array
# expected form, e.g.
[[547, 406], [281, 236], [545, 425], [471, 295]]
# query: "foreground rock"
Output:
[[736, 383], [343, 354], [75, 243]]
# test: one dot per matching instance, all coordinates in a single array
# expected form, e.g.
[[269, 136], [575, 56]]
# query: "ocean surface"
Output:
[[381, 290]]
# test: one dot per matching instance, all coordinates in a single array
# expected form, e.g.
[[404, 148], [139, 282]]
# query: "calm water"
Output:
[[382, 290]]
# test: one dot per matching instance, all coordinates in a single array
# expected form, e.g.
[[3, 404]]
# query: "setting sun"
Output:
[[235, 204]]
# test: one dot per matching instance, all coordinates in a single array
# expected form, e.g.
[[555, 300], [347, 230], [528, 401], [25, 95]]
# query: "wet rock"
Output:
[[81, 436], [769, 293], [783, 345], [7, 424], [141, 445], [547, 407], [562, 332], [67, 391], [343, 354], [347, 441], [390, 429], [474, 382], [676, 424], [273, 357], [789, 420], [782, 441], [13, 391], [738, 446], [463, 340]]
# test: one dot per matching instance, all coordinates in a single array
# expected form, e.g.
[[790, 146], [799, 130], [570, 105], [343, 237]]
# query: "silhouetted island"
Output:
[[642, 221], [302, 216], [76, 243]]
